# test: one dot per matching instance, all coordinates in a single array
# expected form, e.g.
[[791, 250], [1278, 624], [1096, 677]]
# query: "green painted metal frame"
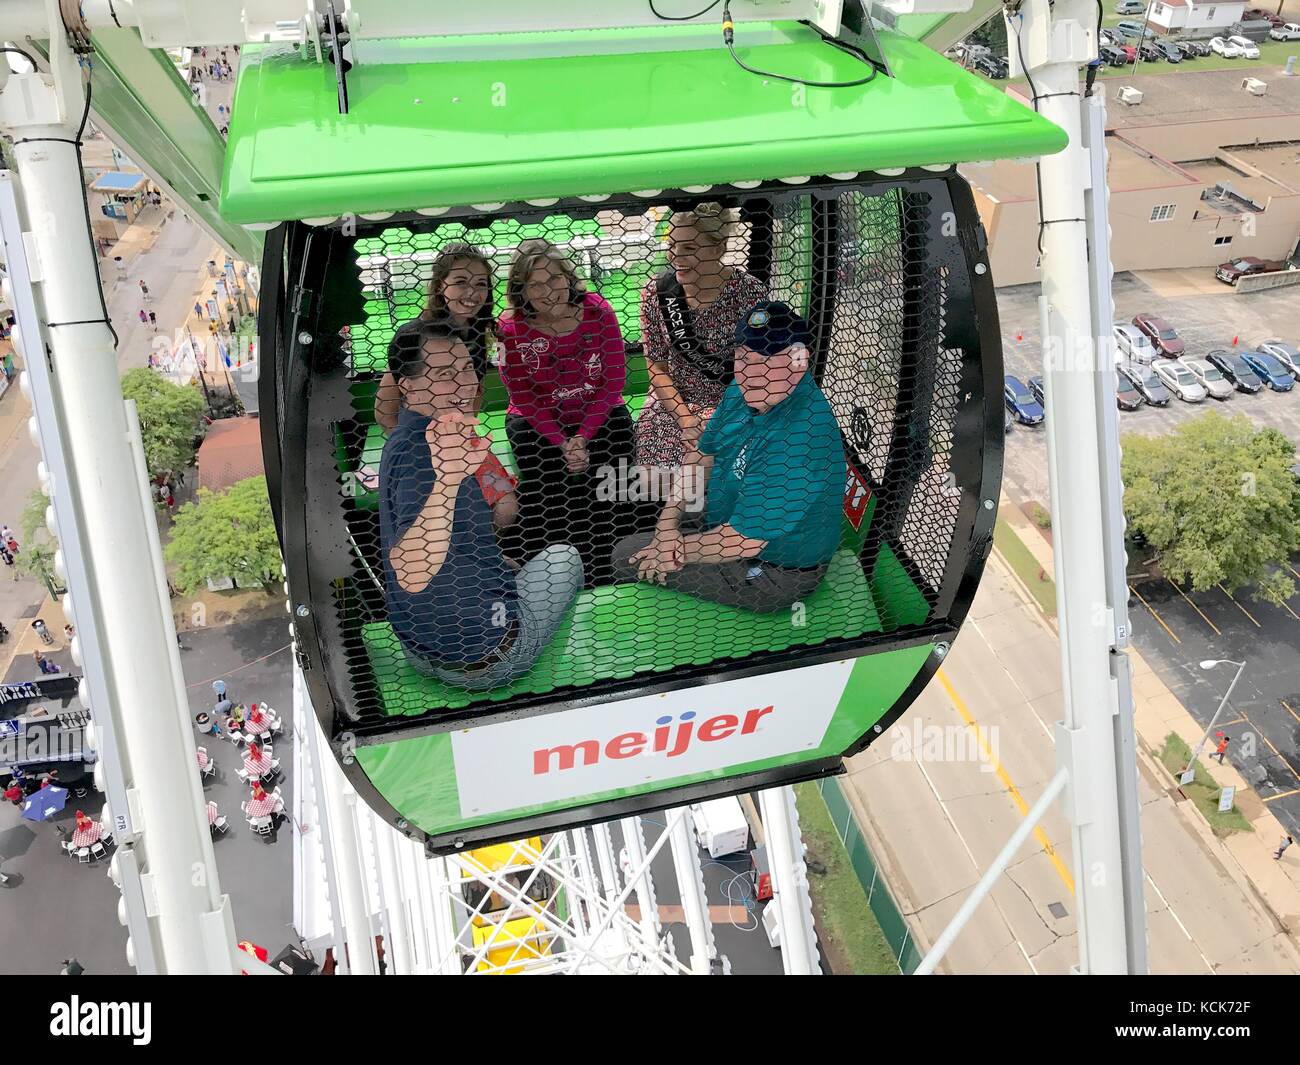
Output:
[[472, 129]]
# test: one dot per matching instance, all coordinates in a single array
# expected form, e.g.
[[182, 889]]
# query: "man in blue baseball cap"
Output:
[[771, 461]]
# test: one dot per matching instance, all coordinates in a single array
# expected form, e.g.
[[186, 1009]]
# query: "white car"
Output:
[[1210, 378], [1180, 380], [1249, 49], [1289, 32], [1287, 354], [1223, 46], [1134, 344]]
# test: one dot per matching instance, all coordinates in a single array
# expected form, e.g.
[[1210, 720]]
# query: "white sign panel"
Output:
[[574, 753], [1188, 776], [1225, 799]]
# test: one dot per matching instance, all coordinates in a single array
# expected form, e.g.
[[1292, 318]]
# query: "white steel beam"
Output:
[[690, 885], [785, 851], [126, 639]]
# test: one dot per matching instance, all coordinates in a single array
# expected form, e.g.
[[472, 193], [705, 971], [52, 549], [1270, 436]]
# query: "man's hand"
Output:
[[661, 556], [456, 451], [576, 456]]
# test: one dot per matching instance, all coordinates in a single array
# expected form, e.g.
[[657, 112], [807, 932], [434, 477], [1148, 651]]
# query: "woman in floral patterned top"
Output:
[[698, 295]]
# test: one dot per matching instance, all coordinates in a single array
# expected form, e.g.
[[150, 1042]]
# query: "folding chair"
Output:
[[98, 850], [83, 855]]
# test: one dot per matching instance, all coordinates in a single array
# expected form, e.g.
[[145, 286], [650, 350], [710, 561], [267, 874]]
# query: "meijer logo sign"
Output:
[[577, 753]]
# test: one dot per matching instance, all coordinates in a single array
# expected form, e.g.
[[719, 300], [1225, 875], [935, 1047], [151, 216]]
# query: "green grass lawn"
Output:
[[848, 930], [1203, 791], [1026, 567]]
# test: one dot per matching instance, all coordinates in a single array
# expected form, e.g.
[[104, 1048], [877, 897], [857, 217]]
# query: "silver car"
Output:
[[1134, 344], [1211, 380], [1287, 354], [1179, 380]]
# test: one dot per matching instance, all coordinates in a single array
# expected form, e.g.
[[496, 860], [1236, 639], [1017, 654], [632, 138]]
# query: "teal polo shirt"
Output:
[[778, 476]]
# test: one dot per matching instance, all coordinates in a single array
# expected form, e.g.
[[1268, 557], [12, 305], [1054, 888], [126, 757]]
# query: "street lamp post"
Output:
[[1210, 663]]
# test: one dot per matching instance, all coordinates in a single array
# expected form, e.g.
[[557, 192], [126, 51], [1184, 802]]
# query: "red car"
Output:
[[1230, 271], [1163, 336], [1255, 14], [1130, 53]]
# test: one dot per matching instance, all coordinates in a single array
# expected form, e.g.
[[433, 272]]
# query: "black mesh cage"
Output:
[[595, 450]]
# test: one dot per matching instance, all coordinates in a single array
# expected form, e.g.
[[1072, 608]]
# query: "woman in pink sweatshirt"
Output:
[[564, 365]]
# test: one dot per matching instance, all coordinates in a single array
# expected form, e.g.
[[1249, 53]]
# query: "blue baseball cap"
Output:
[[770, 327]]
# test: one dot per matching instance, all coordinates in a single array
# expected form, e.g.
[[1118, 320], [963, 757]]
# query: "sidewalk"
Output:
[[1247, 856]]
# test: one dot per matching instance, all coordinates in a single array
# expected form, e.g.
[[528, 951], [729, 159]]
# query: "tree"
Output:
[[35, 556], [225, 534], [169, 419], [1217, 500]]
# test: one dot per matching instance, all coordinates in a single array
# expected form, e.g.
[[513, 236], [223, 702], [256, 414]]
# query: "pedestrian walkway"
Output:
[[1158, 712]]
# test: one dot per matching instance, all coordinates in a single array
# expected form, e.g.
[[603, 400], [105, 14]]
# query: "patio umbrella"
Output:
[[45, 803]]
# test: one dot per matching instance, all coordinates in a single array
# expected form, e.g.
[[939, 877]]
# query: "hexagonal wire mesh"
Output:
[[576, 451]]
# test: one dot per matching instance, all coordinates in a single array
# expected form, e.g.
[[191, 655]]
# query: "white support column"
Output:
[[634, 844], [180, 922], [606, 860], [789, 882], [398, 944], [347, 882], [1055, 43], [690, 885], [438, 884]]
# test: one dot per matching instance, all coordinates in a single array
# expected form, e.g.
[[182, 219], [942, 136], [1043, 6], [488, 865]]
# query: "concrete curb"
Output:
[[1248, 859]]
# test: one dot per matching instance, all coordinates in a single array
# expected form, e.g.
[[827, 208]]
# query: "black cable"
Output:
[[682, 18], [728, 37], [85, 204], [19, 51]]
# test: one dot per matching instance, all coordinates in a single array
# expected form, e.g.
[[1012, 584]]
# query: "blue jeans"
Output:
[[546, 588]]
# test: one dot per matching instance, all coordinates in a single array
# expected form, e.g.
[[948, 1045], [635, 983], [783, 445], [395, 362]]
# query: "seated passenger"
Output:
[[564, 364], [688, 318], [460, 612], [770, 476], [460, 296]]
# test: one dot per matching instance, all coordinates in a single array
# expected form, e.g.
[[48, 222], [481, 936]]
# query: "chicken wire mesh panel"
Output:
[[587, 448]]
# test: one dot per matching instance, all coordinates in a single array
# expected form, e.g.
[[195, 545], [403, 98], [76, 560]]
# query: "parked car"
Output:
[[1038, 391], [1192, 49], [1210, 378], [1020, 401], [1287, 354], [1223, 46], [1134, 344], [1234, 269], [1288, 31], [1130, 29], [1161, 334], [1130, 7], [1126, 396], [1150, 52], [1253, 14], [1180, 380], [1169, 51], [1249, 49], [1269, 370], [1235, 370], [1112, 56], [1130, 53], [1148, 385], [991, 66]]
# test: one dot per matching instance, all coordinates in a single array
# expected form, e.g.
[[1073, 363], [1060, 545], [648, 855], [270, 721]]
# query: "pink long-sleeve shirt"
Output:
[[565, 386]]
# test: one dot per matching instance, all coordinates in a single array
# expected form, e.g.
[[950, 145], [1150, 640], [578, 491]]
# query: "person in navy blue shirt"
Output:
[[756, 517], [458, 608]]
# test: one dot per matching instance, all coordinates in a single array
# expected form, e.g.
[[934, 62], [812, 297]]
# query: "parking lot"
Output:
[[1173, 628], [1206, 315]]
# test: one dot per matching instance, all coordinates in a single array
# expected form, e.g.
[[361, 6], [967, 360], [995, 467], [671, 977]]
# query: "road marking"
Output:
[[1287, 607], [1003, 776], [1285, 760], [1155, 615], [1194, 607], [1156, 888], [1283, 794], [1239, 606], [1289, 709], [1234, 721], [1291, 568]]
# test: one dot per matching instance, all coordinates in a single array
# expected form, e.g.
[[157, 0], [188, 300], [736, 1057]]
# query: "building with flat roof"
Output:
[[1199, 172]]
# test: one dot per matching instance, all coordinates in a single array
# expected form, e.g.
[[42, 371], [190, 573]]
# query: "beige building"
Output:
[[1200, 171]]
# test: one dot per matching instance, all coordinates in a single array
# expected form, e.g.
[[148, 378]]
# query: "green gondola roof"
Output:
[[433, 124]]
